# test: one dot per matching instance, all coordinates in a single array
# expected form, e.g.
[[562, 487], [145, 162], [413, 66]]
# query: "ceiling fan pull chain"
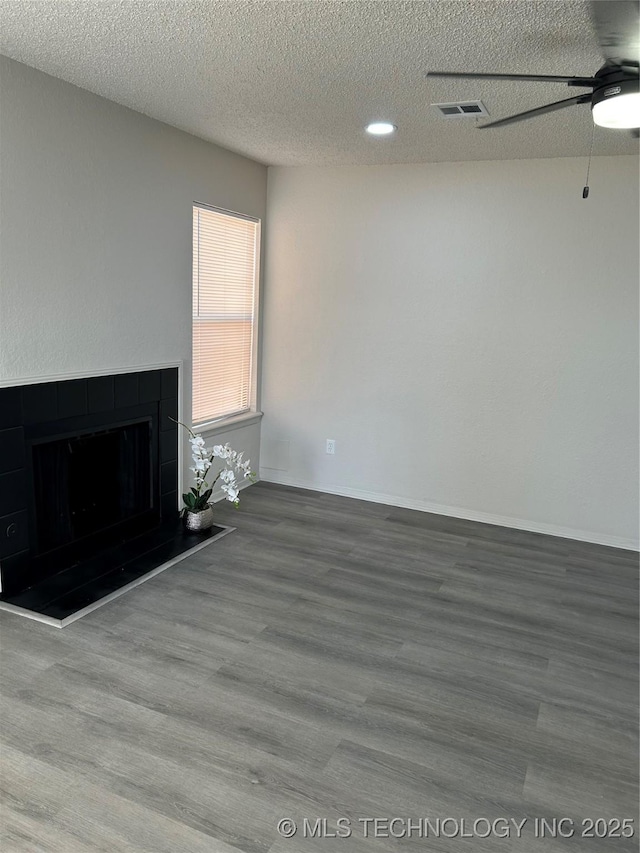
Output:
[[585, 189]]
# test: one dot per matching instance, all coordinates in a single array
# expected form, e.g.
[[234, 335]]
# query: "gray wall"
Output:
[[466, 332], [456, 328], [95, 225]]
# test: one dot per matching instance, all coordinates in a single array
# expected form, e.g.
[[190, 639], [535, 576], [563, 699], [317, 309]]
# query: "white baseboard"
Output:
[[269, 475]]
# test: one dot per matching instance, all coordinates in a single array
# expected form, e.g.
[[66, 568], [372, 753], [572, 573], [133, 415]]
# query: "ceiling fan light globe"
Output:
[[617, 106]]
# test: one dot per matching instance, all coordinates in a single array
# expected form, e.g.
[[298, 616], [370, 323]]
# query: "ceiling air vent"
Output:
[[464, 109]]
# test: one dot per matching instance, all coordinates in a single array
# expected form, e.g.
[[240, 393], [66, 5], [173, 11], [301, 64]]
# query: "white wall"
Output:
[[466, 332], [95, 228]]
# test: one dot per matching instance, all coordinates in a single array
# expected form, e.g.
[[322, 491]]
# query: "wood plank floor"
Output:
[[331, 659]]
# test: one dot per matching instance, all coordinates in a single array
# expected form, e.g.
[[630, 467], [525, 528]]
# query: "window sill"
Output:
[[226, 424]]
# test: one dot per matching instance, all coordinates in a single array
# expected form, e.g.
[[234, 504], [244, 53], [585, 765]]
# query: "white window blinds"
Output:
[[225, 269]]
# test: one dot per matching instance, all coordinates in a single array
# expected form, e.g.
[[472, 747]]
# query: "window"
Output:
[[225, 275]]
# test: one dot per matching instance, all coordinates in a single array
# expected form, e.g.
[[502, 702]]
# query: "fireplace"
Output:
[[89, 491], [86, 466]]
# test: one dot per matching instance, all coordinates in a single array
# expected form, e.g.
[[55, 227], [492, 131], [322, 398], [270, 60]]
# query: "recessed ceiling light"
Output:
[[381, 128]]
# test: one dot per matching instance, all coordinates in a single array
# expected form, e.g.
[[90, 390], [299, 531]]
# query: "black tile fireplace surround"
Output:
[[88, 484]]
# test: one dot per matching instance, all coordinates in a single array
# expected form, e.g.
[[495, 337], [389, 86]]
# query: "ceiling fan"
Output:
[[615, 95]]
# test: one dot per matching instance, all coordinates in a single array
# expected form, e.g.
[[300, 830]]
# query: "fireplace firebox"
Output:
[[91, 483]]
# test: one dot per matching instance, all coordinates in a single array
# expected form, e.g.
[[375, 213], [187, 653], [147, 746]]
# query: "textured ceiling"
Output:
[[296, 82]]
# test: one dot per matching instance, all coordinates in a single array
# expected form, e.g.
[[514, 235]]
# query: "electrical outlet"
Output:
[[331, 446]]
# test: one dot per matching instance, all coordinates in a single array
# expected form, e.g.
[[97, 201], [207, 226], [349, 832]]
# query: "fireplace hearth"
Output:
[[88, 489]]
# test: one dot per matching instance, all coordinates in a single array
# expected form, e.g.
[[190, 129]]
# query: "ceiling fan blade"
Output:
[[538, 111], [542, 78], [617, 24]]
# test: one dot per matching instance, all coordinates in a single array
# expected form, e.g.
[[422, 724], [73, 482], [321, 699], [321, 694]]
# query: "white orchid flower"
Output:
[[202, 462]]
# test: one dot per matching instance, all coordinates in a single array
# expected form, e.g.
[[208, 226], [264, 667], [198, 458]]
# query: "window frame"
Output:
[[252, 413]]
